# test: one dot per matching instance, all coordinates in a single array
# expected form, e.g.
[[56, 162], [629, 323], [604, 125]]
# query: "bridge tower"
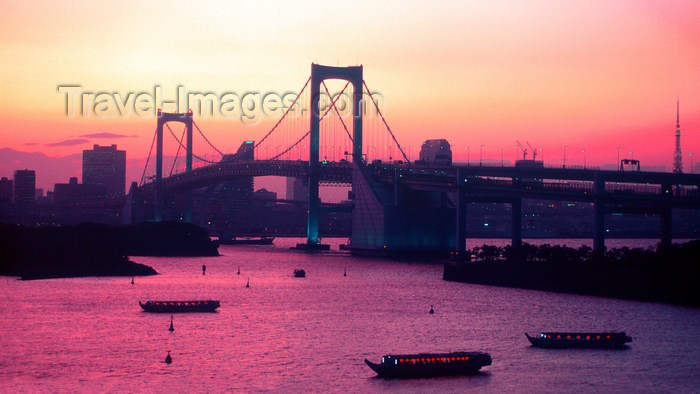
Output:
[[319, 74], [163, 118]]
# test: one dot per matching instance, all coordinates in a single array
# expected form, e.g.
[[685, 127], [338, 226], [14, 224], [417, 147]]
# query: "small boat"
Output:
[[299, 273], [247, 241], [580, 340], [430, 364], [180, 306]]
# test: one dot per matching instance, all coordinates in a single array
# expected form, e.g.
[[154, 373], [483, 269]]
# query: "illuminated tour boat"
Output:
[[180, 306], [580, 340], [430, 364], [299, 273]]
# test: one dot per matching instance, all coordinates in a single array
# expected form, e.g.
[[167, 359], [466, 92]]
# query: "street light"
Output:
[[584, 158], [501, 149], [632, 154], [481, 154], [565, 146], [467, 155], [618, 156]]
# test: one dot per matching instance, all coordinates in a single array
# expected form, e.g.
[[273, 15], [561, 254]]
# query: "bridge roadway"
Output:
[[502, 184], [487, 183]]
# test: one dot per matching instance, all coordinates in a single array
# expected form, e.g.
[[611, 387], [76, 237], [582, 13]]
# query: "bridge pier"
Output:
[[599, 213], [516, 207], [460, 252]]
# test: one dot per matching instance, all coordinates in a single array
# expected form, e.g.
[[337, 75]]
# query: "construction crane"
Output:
[[533, 150], [523, 149]]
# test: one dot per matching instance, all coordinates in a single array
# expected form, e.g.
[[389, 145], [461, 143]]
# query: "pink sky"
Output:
[[594, 76]]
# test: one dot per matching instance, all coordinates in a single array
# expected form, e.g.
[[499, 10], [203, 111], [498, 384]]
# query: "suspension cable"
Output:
[[143, 176], [384, 120], [283, 116], [183, 146], [336, 109], [178, 151], [308, 132], [206, 139]]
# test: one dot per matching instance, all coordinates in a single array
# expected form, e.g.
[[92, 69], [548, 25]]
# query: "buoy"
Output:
[[204, 269], [132, 280], [171, 329], [239, 270], [345, 272], [168, 359], [247, 284], [431, 310]]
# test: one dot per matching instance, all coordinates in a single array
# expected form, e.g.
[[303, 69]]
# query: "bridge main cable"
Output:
[[308, 132], [283, 116]]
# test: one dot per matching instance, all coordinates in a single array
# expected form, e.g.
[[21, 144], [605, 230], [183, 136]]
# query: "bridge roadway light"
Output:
[[565, 146], [481, 154], [584, 158], [501, 149]]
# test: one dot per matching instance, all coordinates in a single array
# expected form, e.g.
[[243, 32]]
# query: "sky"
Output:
[[600, 78]]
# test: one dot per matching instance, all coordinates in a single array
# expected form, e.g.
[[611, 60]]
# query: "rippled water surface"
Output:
[[312, 334]]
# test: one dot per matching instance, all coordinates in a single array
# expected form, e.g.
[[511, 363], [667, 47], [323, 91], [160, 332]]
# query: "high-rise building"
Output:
[[436, 152], [297, 189], [5, 190], [678, 153], [24, 185], [106, 166]]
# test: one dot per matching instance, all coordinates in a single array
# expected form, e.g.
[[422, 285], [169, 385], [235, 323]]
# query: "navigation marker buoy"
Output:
[[171, 329], [247, 284], [168, 359], [431, 310]]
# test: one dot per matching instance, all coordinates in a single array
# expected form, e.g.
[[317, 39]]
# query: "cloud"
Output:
[[107, 135], [76, 141], [31, 143]]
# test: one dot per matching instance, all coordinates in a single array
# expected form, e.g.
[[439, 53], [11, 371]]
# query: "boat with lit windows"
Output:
[[299, 273], [430, 364], [580, 340], [180, 306]]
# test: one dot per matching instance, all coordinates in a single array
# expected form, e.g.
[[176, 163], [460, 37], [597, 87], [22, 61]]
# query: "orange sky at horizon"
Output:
[[594, 76]]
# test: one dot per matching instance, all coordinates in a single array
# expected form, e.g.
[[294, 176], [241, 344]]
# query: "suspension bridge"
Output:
[[397, 205]]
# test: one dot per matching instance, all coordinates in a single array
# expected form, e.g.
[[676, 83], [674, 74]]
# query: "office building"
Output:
[[106, 166]]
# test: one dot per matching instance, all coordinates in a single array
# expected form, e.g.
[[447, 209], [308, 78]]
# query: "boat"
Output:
[[246, 241], [299, 273], [180, 306], [580, 340], [430, 364]]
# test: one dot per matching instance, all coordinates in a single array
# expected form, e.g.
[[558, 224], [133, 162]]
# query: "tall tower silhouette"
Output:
[[678, 154]]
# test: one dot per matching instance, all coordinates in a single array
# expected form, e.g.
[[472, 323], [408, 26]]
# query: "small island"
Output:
[[668, 275], [90, 249]]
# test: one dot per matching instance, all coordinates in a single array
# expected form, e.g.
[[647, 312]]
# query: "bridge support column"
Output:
[[319, 74], [158, 203], [599, 227], [599, 214], [163, 118], [460, 252], [666, 229], [516, 207]]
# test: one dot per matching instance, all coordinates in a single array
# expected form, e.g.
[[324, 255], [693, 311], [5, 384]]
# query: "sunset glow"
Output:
[[599, 77]]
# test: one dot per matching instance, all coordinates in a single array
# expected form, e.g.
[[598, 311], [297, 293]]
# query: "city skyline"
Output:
[[599, 79]]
